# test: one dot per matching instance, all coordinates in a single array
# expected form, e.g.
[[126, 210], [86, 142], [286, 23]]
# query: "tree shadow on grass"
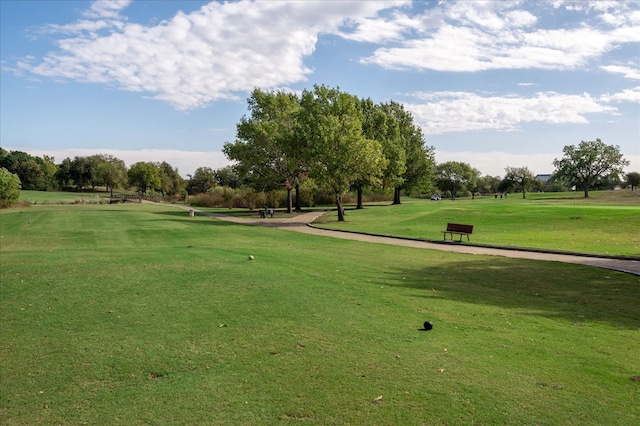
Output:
[[574, 293]]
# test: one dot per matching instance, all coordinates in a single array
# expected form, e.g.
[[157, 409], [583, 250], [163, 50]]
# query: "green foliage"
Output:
[[171, 183], [589, 161], [488, 184], [520, 178], [144, 175], [9, 188], [455, 176], [110, 172], [633, 180], [419, 159], [35, 173], [137, 314], [229, 177], [203, 179], [267, 149], [331, 124]]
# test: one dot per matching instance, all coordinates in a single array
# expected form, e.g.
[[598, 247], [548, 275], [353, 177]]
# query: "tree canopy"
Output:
[[454, 176], [584, 164], [633, 180], [267, 148], [331, 125], [419, 162], [521, 178], [144, 175]]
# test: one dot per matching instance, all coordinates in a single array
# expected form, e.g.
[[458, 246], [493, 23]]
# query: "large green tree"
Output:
[[488, 184], [171, 183], [111, 172], [331, 124], [521, 178], [379, 124], [419, 160], [203, 179], [144, 175], [584, 164], [267, 149], [80, 172], [633, 180], [454, 176], [229, 176], [28, 169]]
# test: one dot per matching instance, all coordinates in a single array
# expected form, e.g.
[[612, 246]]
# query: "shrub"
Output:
[[9, 188]]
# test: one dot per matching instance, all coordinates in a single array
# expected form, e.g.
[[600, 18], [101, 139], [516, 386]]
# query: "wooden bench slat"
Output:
[[458, 229]]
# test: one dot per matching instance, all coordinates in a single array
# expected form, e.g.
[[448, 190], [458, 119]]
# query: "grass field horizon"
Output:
[[138, 314]]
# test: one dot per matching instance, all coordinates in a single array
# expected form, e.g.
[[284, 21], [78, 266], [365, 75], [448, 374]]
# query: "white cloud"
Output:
[[194, 59], [627, 72], [445, 112], [627, 96], [106, 9], [479, 36]]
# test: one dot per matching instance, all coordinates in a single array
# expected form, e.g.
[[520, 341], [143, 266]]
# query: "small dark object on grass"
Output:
[[428, 325]]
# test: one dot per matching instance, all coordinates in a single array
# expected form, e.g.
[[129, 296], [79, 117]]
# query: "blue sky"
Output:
[[493, 84]]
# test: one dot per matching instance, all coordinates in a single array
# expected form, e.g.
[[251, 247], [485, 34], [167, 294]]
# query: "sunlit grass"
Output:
[[137, 314], [602, 224]]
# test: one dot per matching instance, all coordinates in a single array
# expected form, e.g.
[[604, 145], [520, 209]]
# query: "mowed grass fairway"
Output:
[[607, 223], [138, 314]]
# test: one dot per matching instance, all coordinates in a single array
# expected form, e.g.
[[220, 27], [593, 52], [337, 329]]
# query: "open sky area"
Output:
[[493, 84]]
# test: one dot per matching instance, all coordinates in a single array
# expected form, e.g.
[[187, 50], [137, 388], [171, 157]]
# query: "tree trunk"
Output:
[[298, 208], [359, 204], [524, 195], [340, 208], [396, 195], [289, 200], [585, 186]]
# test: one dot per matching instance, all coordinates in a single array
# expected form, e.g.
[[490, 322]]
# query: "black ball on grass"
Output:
[[428, 325]]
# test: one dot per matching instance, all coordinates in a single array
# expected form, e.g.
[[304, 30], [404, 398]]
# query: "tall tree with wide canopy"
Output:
[[111, 172], [520, 178], [633, 180], [27, 167], [331, 124], [419, 158], [267, 149], [584, 164], [171, 183], [144, 175], [380, 125], [203, 179], [454, 176]]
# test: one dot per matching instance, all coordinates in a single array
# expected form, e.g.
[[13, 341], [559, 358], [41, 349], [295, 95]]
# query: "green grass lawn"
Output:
[[607, 223], [138, 314]]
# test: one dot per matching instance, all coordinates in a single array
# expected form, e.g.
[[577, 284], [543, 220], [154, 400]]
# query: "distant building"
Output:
[[543, 178]]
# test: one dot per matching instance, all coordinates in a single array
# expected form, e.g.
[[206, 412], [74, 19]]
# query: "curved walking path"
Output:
[[304, 223]]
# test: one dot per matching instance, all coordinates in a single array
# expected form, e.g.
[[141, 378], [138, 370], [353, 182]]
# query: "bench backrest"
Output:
[[457, 227]]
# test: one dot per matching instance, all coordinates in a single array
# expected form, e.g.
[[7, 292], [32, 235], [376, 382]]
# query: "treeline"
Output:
[[320, 145]]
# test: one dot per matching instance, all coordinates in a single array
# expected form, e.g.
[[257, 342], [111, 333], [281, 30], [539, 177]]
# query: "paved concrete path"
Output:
[[304, 223]]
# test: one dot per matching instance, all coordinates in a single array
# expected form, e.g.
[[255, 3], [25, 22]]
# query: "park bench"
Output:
[[459, 229]]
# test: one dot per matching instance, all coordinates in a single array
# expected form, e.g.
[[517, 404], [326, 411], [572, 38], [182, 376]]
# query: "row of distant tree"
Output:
[[337, 141]]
